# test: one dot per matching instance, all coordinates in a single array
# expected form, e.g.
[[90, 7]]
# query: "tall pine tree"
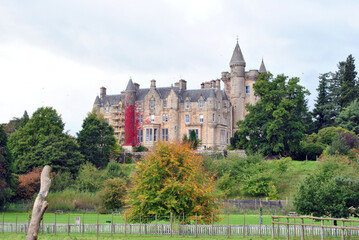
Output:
[[349, 86]]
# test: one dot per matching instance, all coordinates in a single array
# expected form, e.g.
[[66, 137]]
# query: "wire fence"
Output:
[[81, 224]]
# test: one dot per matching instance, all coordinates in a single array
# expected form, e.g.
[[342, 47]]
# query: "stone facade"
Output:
[[168, 113]]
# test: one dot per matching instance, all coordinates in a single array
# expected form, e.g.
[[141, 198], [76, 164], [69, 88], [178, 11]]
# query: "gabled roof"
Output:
[[237, 57], [97, 100]]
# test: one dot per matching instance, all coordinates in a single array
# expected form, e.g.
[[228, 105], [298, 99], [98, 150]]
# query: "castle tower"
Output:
[[237, 92], [130, 115], [262, 68]]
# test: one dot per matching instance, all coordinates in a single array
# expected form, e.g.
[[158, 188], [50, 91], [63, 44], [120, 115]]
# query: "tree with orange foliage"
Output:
[[171, 179]]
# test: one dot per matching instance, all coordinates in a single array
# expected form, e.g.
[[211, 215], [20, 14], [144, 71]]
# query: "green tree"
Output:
[[327, 193], [41, 141], [349, 117], [349, 87], [96, 140], [171, 179], [323, 108], [7, 182], [25, 118], [113, 193], [276, 124]]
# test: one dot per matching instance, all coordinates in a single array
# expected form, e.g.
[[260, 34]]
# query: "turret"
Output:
[[130, 116], [262, 68], [102, 92]]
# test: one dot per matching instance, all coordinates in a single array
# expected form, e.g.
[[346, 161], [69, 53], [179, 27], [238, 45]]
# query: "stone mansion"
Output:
[[147, 115]]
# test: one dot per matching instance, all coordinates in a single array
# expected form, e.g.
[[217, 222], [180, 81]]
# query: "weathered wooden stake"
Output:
[[302, 225], [3, 222], [140, 224], [55, 225], [311, 223], [212, 224], [196, 227], [68, 224], [322, 232], [244, 226], [16, 223], [83, 224], [228, 229], [126, 224], [112, 225], [97, 227], [156, 223], [40, 204], [183, 224], [343, 237], [171, 223]]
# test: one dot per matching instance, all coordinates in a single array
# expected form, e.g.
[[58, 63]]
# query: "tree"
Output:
[[349, 87], [323, 108], [193, 141], [276, 124], [349, 117], [326, 193], [41, 141], [96, 139], [7, 182], [171, 179], [113, 193]]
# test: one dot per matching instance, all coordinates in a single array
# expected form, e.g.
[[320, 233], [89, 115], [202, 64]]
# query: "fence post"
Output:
[[3, 222], [288, 233], [171, 223], [83, 224], [212, 224], [302, 225], [111, 224], [322, 232], [295, 227], [156, 224], [343, 229], [228, 229], [16, 224], [97, 227], [244, 225], [196, 226], [311, 223], [68, 224], [183, 225], [260, 222], [126, 223], [140, 224], [55, 224]]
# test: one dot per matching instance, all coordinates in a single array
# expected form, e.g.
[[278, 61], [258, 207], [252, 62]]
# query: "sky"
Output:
[[59, 53]]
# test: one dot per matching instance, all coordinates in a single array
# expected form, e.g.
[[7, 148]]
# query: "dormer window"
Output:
[[152, 104], [247, 89], [201, 103], [165, 103], [107, 108], [186, 105]]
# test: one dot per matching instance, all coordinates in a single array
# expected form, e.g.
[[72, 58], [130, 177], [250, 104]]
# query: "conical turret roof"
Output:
[[237, 57], [130, 86], [262, 68]]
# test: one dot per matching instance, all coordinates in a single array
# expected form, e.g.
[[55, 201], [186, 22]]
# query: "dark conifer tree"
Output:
[[349, 88]]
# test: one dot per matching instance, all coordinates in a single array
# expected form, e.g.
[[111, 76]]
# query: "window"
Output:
[[195, 130], [152, 104], [187, 104], [140, 106], [165, 134], [149, 135], [219, 118], [152, 117], [107, 108], [187, 118], [164, 103], [247, 89], [140, 118], [140, 136], [201, 118], [155, 135], [219, 105], [108, 120], [213, 117], [164, 117], [201, 103]]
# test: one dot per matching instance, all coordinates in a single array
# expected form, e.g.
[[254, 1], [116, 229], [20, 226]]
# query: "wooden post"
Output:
[[260, 225], [302, 226], [3, 222], [40, 204], [311, 223], [343, 237], [228, 229], [171, 223], [288, 233], [196, 226], [55, 224], [112, 224], [272, 227], [83, 224], [322, 232], [16, 223], [212, 225], [244, 225], [140, 224], [97, 226], [184, 222], [156, 224], [126, 223], [68, 224], [295, 228]]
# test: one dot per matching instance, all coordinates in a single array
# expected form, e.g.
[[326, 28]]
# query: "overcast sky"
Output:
[[59, 53]]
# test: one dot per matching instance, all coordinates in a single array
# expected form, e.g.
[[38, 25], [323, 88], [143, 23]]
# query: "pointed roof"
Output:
[[262, 68], [237, 57], [130, 86], [97, 100]]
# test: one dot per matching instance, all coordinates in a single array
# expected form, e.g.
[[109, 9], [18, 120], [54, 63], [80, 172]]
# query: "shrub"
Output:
[[140, 148], [29, 184], [90, 178], [115, 170], [113, 193], [61, 181], [70, 200]]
